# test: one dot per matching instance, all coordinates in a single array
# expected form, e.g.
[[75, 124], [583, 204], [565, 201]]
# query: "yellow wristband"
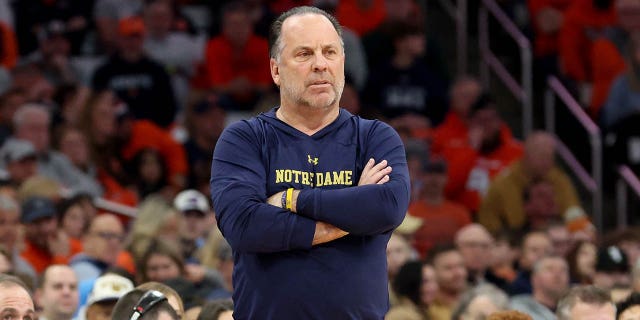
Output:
[[289, 199]]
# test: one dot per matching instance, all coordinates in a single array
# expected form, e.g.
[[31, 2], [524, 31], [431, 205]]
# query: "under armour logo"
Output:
[[313, 161]]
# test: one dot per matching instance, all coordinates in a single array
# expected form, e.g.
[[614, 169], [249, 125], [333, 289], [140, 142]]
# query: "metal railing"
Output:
[[458, 13], [115, 207], [522, 90], [592, 180], [627, 179]]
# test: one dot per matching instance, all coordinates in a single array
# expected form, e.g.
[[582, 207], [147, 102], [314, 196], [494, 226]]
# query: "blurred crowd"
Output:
[[123, 101]]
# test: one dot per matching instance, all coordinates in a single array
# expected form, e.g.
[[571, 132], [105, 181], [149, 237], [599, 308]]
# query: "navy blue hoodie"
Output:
[[277, 273]]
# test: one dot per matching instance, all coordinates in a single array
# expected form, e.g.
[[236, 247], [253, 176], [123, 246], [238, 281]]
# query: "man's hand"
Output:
[[375, 173], [326, 232]]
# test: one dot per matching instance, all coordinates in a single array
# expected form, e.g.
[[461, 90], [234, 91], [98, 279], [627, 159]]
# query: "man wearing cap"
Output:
[[612, 269], [18, 158], [44, 243], [140, 82], [442, 218], [195, 207], [102, 243], [57, 293], [106, 291]]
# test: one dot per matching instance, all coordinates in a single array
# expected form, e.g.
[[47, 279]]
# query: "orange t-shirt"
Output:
[[39, 259], [357, 20], [440, 223], [452, 132], [470, 173], [223, 64]]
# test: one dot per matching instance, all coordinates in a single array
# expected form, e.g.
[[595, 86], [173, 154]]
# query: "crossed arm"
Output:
[[371, 174]]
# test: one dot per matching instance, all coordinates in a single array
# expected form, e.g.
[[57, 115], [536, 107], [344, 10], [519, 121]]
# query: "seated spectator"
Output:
[[415, 287], [451, 276], [585, 302], [479, 302], [628, 240], [454, 130], [535, 246], [141, 304], [148, 172], [560, 237], [221, 309], [398, 253], [612, 269], [235, 61], [175, 300], [474, 243], [104, 295], [71, 142], [102, 244], [582, 262], [44, 243], [197, 214], [217, 254], [18, 161], [550, 281], [10, 236], [629, 309], [177, 51], [403, 87], [138, 81], [74, 217], [504, 256], [32, 82], [441, 217], [57, 293], [490, 148], [506, 204], [547, 17], [156, 220], [32, 122]]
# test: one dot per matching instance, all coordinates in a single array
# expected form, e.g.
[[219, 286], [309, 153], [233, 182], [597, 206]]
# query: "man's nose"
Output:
[[319, 62]]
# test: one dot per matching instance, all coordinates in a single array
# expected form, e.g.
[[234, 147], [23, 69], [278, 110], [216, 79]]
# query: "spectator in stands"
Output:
[[535, 246], [57, 293], [102, 244], [10, 101], [624, 95], [490, 148], [73, 217], [15, 298], [107, 14], [18, 161], [197, 214], [560, 237], [71, 142], [629, 309], [8, 47], [474, 243], [403, 86], [106, 291], [586, 302], [355, 68], [505, 205], [550, 282], [453, 131], [10, 235], [451, 276], [582, 262], [235, 62], [217, 254], [628, 240], [140, 82], [44, 243], [479, 302], [361, 16], [205, 123], [504, 255], [442, 218], [156, 219], [547, 17], [612, 269], [32, 122], [148, 170], [415, 287], [398, 253], [177, 51], [174, 299], [148, 305], [221, 309]]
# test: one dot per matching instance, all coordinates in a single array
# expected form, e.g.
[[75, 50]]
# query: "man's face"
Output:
[[310, 68], [475, 247], [35, 129], [236, 27], [100, 310], [104, 239], [9, 225], [451, 273], [397, 253], [195, 224], [59, 293], [463, 94], [553, 278], [560, 239], [22, 169], [535, 247], [40, 231], [584, 311], [15, 303]]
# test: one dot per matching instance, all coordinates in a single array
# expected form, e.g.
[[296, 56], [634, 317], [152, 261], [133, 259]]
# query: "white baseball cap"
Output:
[[191, 200], [109, 287]]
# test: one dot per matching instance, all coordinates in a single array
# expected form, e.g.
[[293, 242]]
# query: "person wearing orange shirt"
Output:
[[490, 148], [235, 60], [441, 217], [45, 244]]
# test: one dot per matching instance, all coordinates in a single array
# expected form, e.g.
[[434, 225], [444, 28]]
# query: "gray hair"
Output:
[[275, 32], [589, 294], [26, 110], [497, 296]]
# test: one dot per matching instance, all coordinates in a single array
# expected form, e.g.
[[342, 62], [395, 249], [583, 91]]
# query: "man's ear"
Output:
[[275, 71]]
